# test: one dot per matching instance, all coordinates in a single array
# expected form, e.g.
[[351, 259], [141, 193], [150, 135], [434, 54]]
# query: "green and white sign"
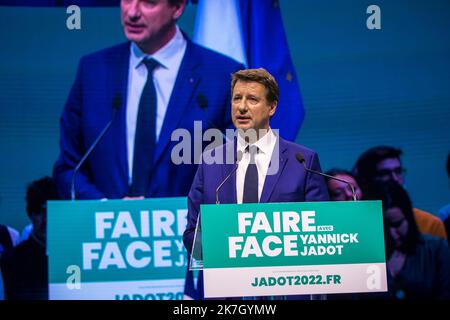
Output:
[[122, 250], [293, 248]]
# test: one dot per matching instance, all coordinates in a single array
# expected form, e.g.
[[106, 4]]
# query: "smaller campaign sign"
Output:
[[117, 250], [280, 249]]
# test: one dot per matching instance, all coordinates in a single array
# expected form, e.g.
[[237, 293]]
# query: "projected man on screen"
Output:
[[254, 101], [155, 83]]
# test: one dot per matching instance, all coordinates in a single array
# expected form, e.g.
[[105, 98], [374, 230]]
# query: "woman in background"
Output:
[[418, 265]]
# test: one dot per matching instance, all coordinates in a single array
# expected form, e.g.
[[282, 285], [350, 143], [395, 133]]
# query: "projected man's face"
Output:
[[150, 23]]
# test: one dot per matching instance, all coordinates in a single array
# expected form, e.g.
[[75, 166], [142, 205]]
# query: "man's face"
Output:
[[149, 23], [249, 106], [340, 191], [390, 169]]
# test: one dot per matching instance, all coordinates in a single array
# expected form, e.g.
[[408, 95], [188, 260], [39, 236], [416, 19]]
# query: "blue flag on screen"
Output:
[[252, 32]]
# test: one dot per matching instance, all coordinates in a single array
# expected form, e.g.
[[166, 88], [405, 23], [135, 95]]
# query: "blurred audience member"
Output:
[[9, 238], [24, 268], [381, 164], [418, 265], [340, 191], [444, 212]]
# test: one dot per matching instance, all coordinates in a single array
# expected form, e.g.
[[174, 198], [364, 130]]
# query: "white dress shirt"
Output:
[[164, 76], [266, 145]]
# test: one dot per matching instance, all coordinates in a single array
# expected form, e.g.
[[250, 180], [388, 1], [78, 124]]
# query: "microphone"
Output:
[[202, 101], [301, 159], [238, 159], [117, 101]]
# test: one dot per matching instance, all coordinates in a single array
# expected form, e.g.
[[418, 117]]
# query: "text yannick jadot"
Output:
[[287, 233]]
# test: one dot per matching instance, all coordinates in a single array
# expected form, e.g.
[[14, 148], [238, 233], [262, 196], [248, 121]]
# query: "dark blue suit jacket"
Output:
[[103, 76], [291, 183]]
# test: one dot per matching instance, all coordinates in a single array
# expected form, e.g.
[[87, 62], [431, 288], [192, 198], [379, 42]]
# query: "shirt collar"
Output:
[[265, 143], [165, 56]]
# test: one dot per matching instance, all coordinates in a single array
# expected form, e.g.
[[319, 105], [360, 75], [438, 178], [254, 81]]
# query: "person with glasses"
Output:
[[382, 164]]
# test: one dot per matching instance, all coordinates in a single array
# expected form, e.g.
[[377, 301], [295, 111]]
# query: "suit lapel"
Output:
[[228, 195], [118, 88], [185, 84], [271, 180]]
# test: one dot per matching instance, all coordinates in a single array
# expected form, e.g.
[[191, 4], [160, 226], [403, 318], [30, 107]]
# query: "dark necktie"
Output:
[[145, 137], [251, 178]]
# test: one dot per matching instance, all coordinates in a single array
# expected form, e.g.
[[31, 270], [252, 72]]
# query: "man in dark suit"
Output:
[[25, 267], [157, 82], [268, 170]]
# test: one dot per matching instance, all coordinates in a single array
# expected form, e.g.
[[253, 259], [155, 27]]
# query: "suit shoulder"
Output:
[[108, 54], [215, 58]]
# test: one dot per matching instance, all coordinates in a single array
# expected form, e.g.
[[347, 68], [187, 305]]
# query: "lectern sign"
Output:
[[123, 250], [293, 248]]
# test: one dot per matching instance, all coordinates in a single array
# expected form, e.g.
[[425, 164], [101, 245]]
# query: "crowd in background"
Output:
[[416, 241]]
